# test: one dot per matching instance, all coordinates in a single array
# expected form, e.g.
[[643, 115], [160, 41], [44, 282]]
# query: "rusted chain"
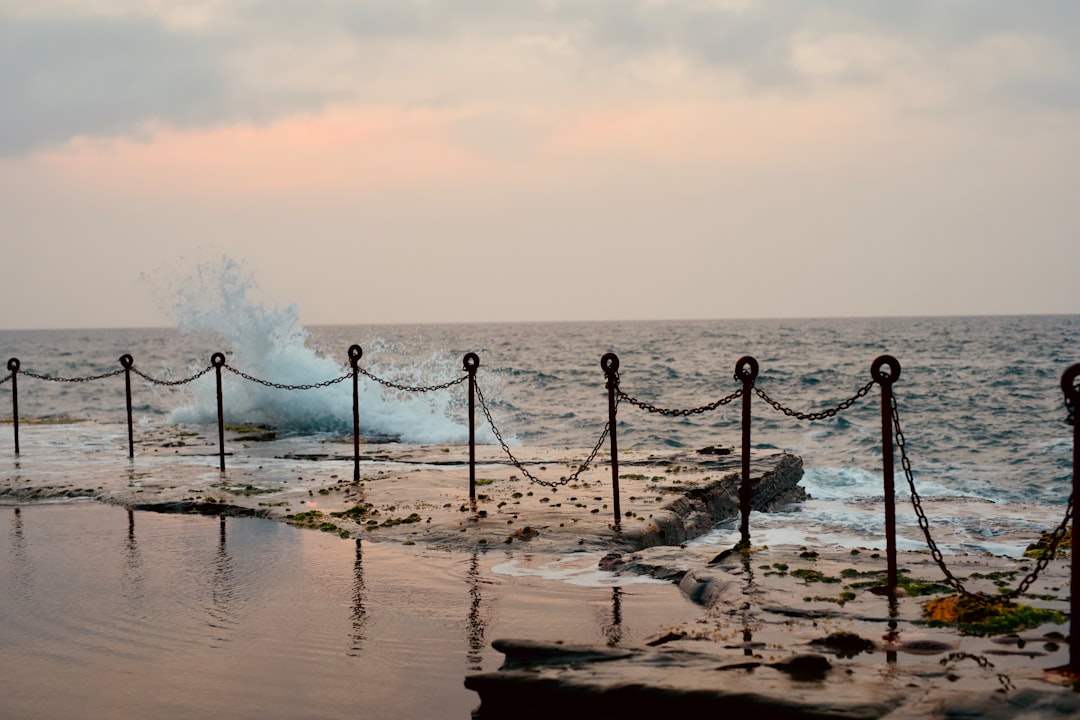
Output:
[[924, 523], [171, 383], [821, 415], [413, 388], [679, 412], [282, 386], [88, 378], [517, 463]]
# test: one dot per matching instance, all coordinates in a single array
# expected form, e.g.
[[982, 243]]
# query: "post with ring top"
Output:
[[13, 368], [885, 380], [610, 363], [746, 370], [217, 360], [127, 361], [1072, 401], [471, 362], [355, 353]]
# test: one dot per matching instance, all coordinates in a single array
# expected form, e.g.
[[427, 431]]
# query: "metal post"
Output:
[[886, 381], [127, 361], [1072, 400], [355, 353], [217, 360], [471, 363], [610, 363], [13, 367], [746, 370]]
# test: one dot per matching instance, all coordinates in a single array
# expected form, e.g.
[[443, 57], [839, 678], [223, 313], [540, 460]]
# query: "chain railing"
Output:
[[171, 383], [678, 412], [283, 386], [820, 414], [88, 378], [1043, 560], [573, 477]]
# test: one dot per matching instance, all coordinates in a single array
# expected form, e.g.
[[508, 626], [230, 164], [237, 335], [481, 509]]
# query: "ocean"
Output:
[[979, 400]]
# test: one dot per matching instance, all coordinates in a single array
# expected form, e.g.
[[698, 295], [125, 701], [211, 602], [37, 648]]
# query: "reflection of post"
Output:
[[614, 631], [18, 551], [748, 591], [221, 588], [133, 561], [476, 624], [359, 612], [893, 635]]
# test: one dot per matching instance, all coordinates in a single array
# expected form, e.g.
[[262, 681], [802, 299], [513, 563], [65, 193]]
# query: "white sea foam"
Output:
[[271, 344], [581, 569]]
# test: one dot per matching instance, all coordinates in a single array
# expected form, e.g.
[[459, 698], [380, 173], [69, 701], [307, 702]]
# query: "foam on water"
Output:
[[580, 569], [271, 344]]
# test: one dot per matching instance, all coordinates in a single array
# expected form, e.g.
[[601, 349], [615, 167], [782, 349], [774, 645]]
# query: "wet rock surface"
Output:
[[797, 634]]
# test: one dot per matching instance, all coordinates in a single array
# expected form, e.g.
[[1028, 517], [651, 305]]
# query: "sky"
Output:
[[428, 161]]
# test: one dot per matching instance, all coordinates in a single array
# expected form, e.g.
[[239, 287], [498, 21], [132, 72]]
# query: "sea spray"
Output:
[[269, 343]]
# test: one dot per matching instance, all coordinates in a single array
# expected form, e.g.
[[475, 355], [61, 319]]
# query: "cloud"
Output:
[[114, 67]]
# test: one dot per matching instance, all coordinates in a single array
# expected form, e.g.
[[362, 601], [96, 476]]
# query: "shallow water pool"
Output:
[[106, 613]]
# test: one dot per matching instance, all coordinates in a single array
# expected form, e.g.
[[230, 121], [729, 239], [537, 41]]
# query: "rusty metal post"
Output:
[[471, 362], [13, 368], [217, 360], [886, 381], [1072, 399], [127, 361], [746, 370], [610, 363], [355, 353]]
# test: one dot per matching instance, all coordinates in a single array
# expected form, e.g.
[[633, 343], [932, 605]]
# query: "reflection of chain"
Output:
[[679, 413], [831, 412], [185, 381], [924, 523], [516, 463], [280, 386], [89, 378], [410, 388]]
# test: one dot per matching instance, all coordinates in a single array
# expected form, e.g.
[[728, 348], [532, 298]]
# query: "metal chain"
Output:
[[924, 523], [5, 379], [681, 412], [72, 380], [280, 386], [517, 463], [831, 412], [185, 381], [410, 388]]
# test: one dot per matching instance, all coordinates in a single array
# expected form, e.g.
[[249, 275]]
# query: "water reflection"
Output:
[[133, 565], [476, 625], [613, 630], [222, 590], [359, 612], [24, 568]]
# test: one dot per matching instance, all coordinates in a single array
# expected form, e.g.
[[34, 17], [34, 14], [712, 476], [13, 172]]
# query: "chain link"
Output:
[[679, 412], [517, 463], [823, 414], [412, 388], [281, 386], [924, 523], [8, 377], [171, 383], [89, 378]]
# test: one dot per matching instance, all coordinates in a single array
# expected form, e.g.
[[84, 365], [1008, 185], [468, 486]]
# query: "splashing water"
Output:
[[271, 344]]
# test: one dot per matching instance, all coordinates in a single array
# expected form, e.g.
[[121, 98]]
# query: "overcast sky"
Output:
[[483, 160]]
